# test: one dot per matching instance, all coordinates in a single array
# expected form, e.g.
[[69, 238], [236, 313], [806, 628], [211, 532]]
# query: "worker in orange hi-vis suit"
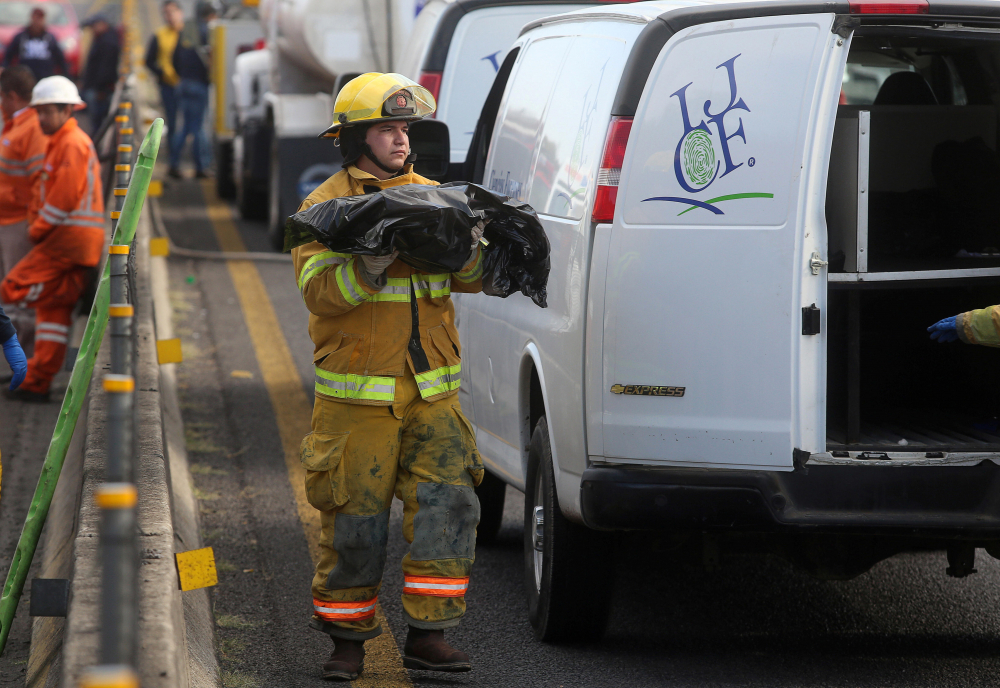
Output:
[[67, 229], [22, 150]]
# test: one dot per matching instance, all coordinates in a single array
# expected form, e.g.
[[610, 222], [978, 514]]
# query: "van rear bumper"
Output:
[[911, 500]]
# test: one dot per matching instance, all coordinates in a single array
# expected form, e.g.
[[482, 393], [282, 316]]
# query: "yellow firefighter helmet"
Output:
[[377, 97]]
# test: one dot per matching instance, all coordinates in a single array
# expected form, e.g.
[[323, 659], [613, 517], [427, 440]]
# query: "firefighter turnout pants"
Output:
[[52, 287], [356, 457]]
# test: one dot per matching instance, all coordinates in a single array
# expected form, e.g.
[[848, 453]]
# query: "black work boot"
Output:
[[346, 661], [427, 650]]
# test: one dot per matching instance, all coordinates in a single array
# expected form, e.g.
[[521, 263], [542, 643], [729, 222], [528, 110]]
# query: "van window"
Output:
[[478, 46], [514, 147], [575, 123], [872, 62]]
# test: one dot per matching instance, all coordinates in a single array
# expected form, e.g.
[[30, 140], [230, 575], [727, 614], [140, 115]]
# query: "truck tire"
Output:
[[225, 187], [492, 493], [568, 573], [252, 205]]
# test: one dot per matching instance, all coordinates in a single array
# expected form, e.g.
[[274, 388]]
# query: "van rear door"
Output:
[[704, 357]]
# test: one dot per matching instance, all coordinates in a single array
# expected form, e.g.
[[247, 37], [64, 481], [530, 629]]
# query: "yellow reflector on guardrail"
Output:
[[119, 384], [116, 496], [196, 569], [115, 676], [168, 351], [159, 246]]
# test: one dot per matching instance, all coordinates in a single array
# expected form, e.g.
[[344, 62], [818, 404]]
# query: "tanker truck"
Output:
[[283, 95]]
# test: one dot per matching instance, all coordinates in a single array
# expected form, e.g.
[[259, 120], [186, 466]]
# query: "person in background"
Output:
[[160, 61], [67, 228], [22, 150], [101, 73], [191, 61], [36, 48]]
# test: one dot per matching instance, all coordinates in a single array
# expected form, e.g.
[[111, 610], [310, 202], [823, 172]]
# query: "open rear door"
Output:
[[716, 220]]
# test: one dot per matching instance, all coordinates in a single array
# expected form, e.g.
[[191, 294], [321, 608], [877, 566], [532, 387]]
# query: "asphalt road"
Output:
[[755, 621], [25, 430]]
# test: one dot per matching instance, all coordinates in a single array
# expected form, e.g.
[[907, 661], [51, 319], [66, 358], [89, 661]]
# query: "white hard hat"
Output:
[[57, 90]]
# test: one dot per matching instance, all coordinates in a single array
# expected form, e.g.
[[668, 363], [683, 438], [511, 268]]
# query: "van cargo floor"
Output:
[[922, 431]]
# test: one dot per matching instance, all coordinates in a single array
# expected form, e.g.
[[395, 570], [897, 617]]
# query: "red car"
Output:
[[60, 18]]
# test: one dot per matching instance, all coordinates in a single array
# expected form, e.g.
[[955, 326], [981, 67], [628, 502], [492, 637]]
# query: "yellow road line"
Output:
[[293, 411]]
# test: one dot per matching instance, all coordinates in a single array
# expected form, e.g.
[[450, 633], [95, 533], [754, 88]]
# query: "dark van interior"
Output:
[[913, 214]]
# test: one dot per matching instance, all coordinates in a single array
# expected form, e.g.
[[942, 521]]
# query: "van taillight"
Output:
[[432, 82], [611, 169], [889, 7]]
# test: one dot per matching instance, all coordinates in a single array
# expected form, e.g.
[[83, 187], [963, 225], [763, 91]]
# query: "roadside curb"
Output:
[[160, 606]]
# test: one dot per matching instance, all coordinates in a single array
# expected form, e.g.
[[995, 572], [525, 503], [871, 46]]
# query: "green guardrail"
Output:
[[76, 392]]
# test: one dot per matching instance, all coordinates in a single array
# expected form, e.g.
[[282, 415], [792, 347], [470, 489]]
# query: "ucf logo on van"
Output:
[[696, 164]]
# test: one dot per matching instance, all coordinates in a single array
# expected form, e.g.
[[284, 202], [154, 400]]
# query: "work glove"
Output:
[[374, 266], [14, 354], [944, 330], [477, 233]]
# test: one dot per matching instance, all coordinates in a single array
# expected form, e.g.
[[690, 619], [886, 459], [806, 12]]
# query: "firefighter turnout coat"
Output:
[[22, 151], [365, 337], [980, 326]]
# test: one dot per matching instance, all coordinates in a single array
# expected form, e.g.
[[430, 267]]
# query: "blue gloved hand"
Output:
[[14, 354], [944, 330]]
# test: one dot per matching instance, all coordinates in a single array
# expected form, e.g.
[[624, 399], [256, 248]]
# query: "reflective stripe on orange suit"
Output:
[[68, 213], [22, 152]]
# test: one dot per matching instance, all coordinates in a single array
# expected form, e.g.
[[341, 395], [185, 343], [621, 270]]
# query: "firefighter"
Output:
[[22, 149], [386, 419], [67, 229]]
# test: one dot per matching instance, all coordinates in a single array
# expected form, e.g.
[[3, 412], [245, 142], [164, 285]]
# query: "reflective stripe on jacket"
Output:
[[22, 151], [68, 221], [362, 334], [980, 326]]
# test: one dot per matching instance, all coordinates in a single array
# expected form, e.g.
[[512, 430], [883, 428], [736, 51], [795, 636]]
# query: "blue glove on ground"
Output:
[[14, 354], [944, 330]]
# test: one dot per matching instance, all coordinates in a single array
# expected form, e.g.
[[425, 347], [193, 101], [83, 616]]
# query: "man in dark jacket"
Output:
[[36, 48], [101, 74], [191, 61]]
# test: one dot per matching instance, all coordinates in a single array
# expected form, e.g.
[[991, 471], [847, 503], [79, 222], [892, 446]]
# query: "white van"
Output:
[[755, 210]]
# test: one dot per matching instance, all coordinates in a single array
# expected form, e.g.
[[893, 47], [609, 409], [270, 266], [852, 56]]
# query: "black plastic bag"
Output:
[[431, 227]]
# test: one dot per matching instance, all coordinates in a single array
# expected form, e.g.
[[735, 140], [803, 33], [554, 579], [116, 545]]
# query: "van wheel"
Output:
[[568, 568], [491, 492]]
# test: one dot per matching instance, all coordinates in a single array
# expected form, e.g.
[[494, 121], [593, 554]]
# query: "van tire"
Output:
[[492, 493], [570, 598]]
